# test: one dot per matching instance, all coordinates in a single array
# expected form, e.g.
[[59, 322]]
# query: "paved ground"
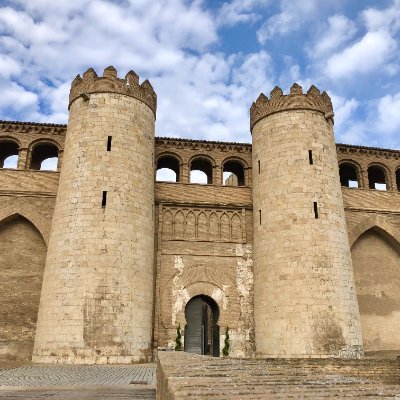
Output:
[[193, 376], [59, 382]]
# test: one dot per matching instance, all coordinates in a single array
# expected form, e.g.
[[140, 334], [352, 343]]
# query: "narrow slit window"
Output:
[[109, 140], [104, 200], [315, 210], [310, 157], [259, 166], [259, 213]]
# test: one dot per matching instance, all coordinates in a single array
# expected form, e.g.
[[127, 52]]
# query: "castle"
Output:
[[296, 253]]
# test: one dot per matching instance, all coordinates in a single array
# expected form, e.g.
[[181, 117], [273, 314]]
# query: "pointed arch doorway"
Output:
[[202, 330]]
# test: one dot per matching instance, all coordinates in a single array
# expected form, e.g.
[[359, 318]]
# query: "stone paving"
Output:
[[60, 382], [79, 375], [183, 376]]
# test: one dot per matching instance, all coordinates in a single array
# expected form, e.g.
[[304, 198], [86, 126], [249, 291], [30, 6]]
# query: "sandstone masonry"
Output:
[[292, 243]]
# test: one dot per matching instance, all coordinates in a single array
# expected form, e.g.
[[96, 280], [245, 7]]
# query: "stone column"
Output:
[[305, 303], [97, 296]]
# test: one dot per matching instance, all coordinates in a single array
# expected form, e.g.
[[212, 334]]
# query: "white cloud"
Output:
[[345, 110], [8, 67], [339, 31], [388, 18], [16, 97], [47, 43], [240, 11], [369, 54], [293, 15], [220, 92], [202, 92], [388, 108]]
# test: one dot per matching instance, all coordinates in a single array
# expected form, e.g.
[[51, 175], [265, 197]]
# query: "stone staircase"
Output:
[[186, 376]]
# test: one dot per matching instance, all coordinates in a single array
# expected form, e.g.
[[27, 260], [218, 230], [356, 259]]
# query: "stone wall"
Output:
[[204, 251], [97, 297], [305, 302], [215, 258], [22, 259]]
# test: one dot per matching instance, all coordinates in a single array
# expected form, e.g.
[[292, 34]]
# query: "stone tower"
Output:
[[97, 297], [304, 295]]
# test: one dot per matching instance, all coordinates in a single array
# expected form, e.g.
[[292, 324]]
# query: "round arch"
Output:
[[36, 142], [10, 138], [386, 173], [397, 176], [205, 164], [40, 150], [169, 154], [238, 168], [168, 161], [202, 156], [9, 150], [357, 168]]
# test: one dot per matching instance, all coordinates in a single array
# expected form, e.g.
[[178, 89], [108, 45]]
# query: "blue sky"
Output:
[[209, 60]]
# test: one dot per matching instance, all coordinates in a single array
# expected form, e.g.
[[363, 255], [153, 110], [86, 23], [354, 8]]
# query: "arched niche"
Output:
[[376, 264], [22, 262]]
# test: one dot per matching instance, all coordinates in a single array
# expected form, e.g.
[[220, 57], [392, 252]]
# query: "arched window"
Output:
[[44, 157], [377, 178], [348, 175], [8, 154], [167, 169], [398, 179], [233, 174], [201, 171]]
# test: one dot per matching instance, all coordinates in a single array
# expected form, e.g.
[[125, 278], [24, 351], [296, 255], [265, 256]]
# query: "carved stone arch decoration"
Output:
[[236, 227], [32, 216], [213, 226], [378, 223], [202, 226], [225, 226], [194, 281], [190, 225], [179, 224], [168, 228]]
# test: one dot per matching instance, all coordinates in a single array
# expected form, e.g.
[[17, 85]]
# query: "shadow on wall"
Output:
[[376, 264], [22, 261]]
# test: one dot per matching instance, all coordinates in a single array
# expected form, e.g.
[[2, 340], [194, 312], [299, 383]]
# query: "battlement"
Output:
[[90, 82], [296, 100]]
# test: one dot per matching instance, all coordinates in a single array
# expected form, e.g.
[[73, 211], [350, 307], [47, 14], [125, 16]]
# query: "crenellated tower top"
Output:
[[90, 82], [296, 100]]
